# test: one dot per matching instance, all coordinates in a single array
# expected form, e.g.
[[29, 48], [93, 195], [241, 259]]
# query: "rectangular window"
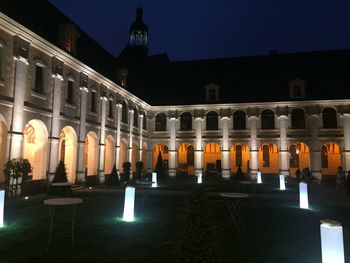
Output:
[[93, 102], [39, 80], [69, 43], [297, 91], [110, 109], [212, 95], [70, 92]]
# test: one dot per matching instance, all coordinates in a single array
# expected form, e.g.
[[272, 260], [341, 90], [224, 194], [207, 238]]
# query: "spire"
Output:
[[139, 30]]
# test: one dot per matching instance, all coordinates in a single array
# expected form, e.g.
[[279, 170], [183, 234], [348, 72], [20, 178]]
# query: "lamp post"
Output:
[[303, 196], [2, 202], [199, 178], [282, 182], [259, 181], [332, 246], [129, 202]]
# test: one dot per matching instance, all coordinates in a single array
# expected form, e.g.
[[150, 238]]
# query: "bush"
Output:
[[125, 176], [19, 170], [139, 169], [196, 244], [159, 169], [239, 174], [60, 174]]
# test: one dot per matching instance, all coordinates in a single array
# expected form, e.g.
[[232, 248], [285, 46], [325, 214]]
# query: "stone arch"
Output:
[[67, 151], [329, 118], [331, 158], [239, 120], [268, 158], [160, 122], [186, 121], [212, 158], [109, 154], [186, 159], [123, 153], [35, 147], [239, 157], [163, 150], [299, 157], [267, 119], [91, 153]]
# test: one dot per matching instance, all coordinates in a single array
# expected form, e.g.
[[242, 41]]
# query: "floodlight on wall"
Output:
[[282, 182], [154, 180], [199, 178], [2, 203], [303, 196], [129, 202], [258, 178], [332, 246]]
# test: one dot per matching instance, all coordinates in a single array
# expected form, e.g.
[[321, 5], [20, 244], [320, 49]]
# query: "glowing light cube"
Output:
[[199, 178], [282, 182], [303, 196], [154, 180], [332, 245], [258, 178], [2, 202], [129, 202]]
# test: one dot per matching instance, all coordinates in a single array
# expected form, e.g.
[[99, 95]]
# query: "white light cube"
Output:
[[2, 203], [303, 197], [154, 180], [282, 182], [332, 246], [129, 202], [258, 178], [199, 178]]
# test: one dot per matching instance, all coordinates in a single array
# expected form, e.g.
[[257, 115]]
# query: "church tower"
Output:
[[139, 31]]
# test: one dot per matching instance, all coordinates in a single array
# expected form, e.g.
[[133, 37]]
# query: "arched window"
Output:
[[267, 120], [2, 58], [212, 121], [294, 156], [136, 117], [266, 156], [186, 121], [190, 156], [298, 119], [144, 126], [329, 118], [324, 156], [238, 155], [124, 112], [239, 120], [161, 122]]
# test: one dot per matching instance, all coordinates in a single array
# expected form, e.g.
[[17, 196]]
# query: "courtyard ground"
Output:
[[276, 229]]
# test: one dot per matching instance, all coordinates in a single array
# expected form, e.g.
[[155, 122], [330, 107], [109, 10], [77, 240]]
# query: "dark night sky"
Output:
[[197, 29]]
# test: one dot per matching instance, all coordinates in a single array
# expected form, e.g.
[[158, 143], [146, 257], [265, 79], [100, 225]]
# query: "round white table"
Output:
[[68, 201], [233, 203]]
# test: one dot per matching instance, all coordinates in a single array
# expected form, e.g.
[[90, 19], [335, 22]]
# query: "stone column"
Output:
[[101, 165], [254, 150], [225, 148], [315, 148], [131, 124], [21, 53], [82, 127], [56, 109], [346, 151], [172, 144], [282, 114], [141, 138], [198, 147], [117, 140]]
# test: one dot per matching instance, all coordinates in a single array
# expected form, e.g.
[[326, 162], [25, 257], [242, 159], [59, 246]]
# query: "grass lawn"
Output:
[[276, 229]]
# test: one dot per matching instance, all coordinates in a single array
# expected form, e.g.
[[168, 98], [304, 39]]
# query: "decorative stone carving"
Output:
[[198, 113], [345, 109], [225, 113], [253, 112], [282, 111], [57, 67], [118, 99], [83, 80], [313, 110], [131, 105], [20, 48], [103, 93], [173, 114]]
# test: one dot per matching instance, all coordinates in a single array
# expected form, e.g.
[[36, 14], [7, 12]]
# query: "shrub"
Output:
[[139, 169], [125, 176], [60, 174], [196, 244], [113, 178], [159, 169]]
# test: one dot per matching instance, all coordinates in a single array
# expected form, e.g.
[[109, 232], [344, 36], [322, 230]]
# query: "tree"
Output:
[[60, 174], [125, 176], [139, 169], [113, 178], [159, 169]]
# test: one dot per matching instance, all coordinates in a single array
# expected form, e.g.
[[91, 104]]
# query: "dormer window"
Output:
[[212, 92], [297, 89], [69, 43]]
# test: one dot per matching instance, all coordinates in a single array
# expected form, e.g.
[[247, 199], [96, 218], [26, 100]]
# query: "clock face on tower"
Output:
[[138, 38]]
